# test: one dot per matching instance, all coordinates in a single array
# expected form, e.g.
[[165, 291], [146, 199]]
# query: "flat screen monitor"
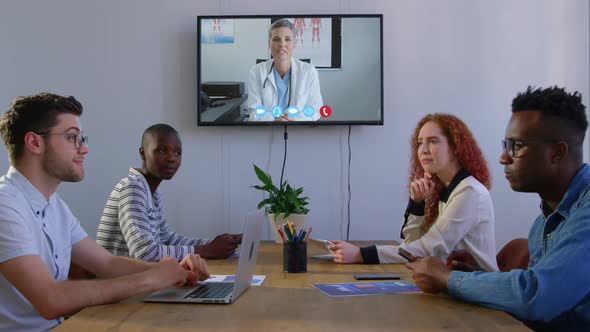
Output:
[[290, 70]]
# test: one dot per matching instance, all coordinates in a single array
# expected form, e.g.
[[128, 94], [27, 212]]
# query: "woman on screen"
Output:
[[450, 207], [283, 88]]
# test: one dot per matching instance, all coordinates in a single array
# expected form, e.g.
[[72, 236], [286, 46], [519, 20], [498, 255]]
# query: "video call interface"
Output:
[[304, 70]]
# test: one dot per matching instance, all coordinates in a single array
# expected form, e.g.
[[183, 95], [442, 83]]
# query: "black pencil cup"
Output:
[[295, 257]]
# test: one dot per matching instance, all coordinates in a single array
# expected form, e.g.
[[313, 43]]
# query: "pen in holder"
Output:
[[294, 247], [295, 257]]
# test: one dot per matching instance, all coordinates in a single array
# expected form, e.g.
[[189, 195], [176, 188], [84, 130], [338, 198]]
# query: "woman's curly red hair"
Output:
[[465, 149]]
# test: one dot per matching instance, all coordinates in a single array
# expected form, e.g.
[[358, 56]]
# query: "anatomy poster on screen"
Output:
[[313, 40], [217, 31]]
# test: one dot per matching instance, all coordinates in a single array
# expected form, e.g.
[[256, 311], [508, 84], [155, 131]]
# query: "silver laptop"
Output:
[[221, 292]]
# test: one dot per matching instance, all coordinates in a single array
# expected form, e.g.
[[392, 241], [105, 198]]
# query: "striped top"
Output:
[[133, 223]]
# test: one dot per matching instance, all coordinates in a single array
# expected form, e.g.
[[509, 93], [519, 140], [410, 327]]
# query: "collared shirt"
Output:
[[417, 208], [30, 224], [465, 221], [554, 292], [282, 87], [133, 223]]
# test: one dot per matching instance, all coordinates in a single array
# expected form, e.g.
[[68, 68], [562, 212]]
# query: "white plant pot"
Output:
[[298, 221]]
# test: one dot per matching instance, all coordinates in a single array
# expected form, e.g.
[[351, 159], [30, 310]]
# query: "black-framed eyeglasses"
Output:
[[513, 146], [76, 138]]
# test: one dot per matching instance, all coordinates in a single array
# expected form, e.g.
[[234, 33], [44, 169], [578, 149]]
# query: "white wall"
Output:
[[132, 63]]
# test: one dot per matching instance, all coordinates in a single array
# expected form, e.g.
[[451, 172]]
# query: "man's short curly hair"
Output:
[[555, 102], [36, 113]]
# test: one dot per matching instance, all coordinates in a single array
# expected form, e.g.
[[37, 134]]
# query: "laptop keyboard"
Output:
[[212, 290]]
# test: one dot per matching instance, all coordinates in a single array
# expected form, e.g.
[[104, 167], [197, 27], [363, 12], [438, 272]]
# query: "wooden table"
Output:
[[286, 302]]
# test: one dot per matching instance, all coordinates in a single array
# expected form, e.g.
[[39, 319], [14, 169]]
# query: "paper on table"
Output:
[[256, 279], [326, 244], [367, 288]]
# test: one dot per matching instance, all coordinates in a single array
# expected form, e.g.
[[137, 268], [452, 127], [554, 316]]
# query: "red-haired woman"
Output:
[[450, 207]]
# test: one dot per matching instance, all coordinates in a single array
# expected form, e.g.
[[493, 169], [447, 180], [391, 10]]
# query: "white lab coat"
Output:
[[305, 85]]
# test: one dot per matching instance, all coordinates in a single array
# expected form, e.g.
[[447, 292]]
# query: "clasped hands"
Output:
[[431, 274]]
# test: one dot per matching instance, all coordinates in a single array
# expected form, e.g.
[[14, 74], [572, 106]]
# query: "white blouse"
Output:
[[465, 221]]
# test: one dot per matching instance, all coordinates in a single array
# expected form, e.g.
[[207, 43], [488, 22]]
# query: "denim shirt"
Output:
[[554, 292]]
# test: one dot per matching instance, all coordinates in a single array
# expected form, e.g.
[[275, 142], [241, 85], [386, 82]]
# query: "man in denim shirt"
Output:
[[542, 154]]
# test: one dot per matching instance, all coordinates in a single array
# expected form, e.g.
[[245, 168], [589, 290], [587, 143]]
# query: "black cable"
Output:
[[285, 136], [349, 193]]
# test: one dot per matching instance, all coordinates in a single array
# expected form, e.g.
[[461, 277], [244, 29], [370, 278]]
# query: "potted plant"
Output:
[[283, 203]]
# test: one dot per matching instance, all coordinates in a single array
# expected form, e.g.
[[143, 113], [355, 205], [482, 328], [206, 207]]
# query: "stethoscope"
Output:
[[290, 82]]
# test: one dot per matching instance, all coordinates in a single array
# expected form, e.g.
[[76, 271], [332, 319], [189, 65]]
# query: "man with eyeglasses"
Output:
[[542, 154], [39, 235]]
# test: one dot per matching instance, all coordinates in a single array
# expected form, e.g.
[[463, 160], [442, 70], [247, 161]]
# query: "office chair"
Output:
[[514, 255]]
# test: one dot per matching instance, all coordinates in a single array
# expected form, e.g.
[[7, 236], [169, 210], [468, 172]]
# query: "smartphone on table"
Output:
[[376, 276], [406, 254]]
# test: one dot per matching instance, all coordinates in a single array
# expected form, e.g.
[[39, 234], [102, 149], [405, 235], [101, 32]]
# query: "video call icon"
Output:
[[292, 111], [308, 111], [260, 111], [325, 111], [277, 111]]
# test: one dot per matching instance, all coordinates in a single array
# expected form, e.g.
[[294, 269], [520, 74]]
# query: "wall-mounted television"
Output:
[[290, 70]]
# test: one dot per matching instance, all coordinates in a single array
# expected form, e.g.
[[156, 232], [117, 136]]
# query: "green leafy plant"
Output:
[[283, 200]]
